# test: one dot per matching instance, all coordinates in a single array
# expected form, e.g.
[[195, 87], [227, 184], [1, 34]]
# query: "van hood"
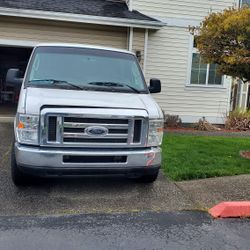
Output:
[[36, 98]]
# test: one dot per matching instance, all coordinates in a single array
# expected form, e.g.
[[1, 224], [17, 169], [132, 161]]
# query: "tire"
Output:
[[18, 177], [149, 178]]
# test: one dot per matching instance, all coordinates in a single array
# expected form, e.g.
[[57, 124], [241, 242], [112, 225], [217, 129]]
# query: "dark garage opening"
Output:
[[11, 57]]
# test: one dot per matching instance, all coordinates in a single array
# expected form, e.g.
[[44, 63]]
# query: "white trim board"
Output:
[[130, 4], [247, 93], [78, 18], [18, 43], [195, 118]]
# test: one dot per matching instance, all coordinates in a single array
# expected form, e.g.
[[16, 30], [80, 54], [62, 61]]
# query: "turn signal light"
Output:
[[20, 125]]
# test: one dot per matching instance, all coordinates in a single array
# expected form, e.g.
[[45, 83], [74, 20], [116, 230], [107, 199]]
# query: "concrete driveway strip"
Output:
[[207, 193], [176, 230], [85, 195]]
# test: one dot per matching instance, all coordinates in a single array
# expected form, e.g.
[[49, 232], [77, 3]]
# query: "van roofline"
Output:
[[85, 46]]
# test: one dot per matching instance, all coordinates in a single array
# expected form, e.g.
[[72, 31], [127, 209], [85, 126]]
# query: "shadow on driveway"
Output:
[[84, 195]]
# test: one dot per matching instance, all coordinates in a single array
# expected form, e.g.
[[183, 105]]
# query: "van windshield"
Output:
[[85, 69]]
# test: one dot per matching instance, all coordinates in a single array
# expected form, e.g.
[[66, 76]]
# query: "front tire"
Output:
[[149, 178], [18, 177]]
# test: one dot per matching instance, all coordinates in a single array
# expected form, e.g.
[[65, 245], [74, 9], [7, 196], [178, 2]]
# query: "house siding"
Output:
[[168, 60], [190, 9], [169, 57], [44, 31]]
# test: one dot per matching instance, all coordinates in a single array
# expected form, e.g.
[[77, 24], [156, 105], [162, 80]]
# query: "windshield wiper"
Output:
[[134, 89], [55, 82], [113, 85]]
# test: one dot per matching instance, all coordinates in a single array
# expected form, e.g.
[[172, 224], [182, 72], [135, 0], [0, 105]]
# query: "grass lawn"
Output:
[[187, 157]]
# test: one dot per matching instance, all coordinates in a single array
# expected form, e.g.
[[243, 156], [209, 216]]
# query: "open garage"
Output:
[[11, 57]]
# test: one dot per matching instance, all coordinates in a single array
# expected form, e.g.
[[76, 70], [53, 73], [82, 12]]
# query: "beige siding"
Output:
[[168, 53], [15, 29], [191, 9], [169, 59]]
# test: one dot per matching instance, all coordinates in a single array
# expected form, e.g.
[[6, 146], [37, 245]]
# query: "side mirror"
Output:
[[155, 86], [13, 78]]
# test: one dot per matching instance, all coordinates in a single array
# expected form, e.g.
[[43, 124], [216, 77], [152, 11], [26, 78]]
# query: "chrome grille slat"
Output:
[[84, 125], [84, 135]]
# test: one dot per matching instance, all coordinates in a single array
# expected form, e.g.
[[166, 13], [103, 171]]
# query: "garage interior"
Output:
[[11, 57]]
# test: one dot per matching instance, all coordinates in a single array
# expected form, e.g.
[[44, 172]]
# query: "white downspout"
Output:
[[130, 41], [131, 30], [145, 51]]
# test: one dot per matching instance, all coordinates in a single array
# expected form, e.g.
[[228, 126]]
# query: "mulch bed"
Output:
[[181, 129], [221, 132], [245, 154]]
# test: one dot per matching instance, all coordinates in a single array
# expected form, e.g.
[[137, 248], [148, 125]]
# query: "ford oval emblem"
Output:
[[96, 131]]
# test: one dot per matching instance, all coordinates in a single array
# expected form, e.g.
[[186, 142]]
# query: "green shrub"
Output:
[[172, 121]]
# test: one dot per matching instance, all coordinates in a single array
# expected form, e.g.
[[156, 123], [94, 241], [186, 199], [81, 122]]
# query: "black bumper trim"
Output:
[[57, 172]]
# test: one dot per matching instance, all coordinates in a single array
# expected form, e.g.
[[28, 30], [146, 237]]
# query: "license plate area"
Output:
[[94, 159]]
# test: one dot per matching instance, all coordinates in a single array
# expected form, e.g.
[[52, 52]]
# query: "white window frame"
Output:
[[193, 50]]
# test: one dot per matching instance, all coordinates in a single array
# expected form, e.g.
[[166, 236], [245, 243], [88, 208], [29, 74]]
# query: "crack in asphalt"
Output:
[[7, 153]]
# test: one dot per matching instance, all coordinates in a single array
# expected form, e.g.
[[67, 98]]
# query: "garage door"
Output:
[[17, 29]]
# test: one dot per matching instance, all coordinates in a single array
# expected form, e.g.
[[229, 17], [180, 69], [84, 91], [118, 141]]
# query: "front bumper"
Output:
[[49, 161]]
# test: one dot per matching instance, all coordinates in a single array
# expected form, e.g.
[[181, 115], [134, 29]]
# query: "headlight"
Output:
[[155, 133], [27, 129]]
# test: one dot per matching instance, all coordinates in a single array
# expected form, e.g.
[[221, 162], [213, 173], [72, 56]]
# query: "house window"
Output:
[[202, 73], [245, 3]]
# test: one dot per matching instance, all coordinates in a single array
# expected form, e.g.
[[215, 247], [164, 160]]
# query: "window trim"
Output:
[[192, 50]]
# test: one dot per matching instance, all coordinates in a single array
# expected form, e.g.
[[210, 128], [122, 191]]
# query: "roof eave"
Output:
[[78, 18]]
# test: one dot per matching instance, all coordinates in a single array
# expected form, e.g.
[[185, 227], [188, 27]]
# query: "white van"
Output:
[[85, 110]]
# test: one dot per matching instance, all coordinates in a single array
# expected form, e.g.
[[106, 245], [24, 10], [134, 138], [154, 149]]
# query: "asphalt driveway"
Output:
[[175, 230], [85, 195]]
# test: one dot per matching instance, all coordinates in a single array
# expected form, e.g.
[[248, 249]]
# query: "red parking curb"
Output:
[[232, 209]]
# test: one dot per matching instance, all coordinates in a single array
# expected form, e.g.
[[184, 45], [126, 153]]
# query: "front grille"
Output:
[[74, 130], [79, 130]]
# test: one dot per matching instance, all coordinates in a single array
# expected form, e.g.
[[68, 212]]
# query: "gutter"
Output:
[[78, 18]]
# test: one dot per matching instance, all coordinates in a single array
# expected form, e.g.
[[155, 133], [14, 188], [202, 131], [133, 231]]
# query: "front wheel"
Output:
[[149, 178], [18, 177]]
